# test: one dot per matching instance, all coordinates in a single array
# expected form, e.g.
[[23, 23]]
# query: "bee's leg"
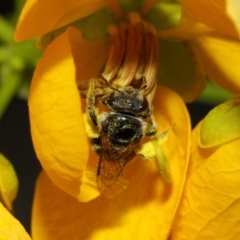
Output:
[[91, 99], [100, 87], [147, 151], [153, 128]]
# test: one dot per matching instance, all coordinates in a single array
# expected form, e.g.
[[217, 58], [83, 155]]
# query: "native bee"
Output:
[[121, 129]]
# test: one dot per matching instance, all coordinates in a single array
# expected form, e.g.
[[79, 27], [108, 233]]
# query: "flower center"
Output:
[[133, 57], [133, 54]]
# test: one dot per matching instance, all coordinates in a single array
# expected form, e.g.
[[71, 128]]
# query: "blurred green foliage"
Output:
[[17, 60]]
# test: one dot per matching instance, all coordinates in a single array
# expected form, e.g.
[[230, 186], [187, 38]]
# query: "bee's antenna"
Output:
[[109, 85]]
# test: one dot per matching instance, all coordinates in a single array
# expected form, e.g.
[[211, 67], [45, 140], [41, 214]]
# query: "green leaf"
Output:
[[221, 125], [8, 183]]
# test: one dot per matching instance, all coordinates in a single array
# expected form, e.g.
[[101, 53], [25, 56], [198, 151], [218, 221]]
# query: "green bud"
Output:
[[221, 125]]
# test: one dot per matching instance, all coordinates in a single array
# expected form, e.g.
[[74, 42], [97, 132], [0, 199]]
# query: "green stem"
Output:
[[162, 162]]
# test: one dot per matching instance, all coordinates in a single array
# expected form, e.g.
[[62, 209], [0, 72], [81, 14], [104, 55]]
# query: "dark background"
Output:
[[6, 6], [16, 145]]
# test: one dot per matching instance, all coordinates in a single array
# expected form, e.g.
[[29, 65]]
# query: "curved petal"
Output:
[[8, 183], [89, 56], [40, 17], [220, 58], [233, 8], [211, 13], [217, 55], [211, 199], [10, 226], [57, 124], [144, 210], [92, 27]]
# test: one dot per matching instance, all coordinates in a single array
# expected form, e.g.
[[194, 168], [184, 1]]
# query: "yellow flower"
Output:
[[57, 124], [209, 208], [210, 205], [204, 29], [10, 227], [62, 145], [147, 208], [214, 41]]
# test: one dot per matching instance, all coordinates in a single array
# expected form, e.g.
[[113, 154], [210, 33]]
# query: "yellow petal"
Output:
[[220, 58], [233, 8], [89, 56], [216, 55], [144, 210], [92, 27], [211, 200], [8, 183], [11, 228], [40, 17], [57, 124], [211, 13]]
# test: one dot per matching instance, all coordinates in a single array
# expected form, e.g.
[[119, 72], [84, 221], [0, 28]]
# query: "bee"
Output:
[[121, 128]]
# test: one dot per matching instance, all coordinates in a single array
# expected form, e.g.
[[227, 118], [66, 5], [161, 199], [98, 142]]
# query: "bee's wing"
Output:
[[110, 167]]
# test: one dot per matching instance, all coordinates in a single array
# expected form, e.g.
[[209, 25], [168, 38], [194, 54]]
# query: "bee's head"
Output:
[[128, 100]]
